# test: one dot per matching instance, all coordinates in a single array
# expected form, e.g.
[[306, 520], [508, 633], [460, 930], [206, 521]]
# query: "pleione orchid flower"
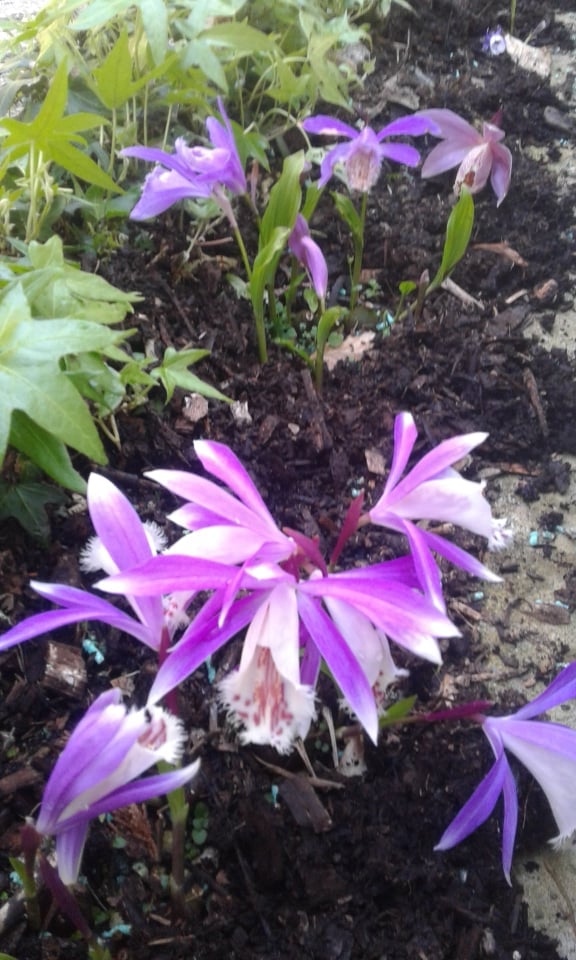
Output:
[[122, 542], [283, 614], [307, 251], [99, 770], [228, 527], [433, 490], [191, 171], [478, 156], [362, 156], [547, 750]]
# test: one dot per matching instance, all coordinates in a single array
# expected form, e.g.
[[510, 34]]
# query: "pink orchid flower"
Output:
[[478, 156]]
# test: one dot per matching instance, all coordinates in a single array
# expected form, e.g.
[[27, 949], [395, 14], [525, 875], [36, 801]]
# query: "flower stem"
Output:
[[358, 252]]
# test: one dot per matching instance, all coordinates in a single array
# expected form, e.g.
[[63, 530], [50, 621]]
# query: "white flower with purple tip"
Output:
[[478, 156], [547, 750], [362, 156], [97, 772]]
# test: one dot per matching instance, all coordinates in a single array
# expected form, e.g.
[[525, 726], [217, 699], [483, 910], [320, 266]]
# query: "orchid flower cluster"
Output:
[[217, 173], [298, 612]]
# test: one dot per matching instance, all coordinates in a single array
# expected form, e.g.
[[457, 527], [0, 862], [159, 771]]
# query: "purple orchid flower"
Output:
[[191, 171], [97, 770], [227, 527], [307, 251], [548, 750], [271, 694], [123, 542], [477, 155], [432, 490], [362, 157], [494, 42]]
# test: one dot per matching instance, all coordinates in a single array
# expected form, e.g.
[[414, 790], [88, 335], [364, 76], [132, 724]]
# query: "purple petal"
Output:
[[124, 537], [501, 171], [168, 574], [138, 791], [561, 689], [219, 460], [437, 461], [412, 126], [459, 557], [79, 605], [162, 189], [338, 154], [452, 127], [329, 127], [69, 850], [310, 255], [478, 808], [405, 434], [196, 646], [443, 157], [341, 662], [427, 571], [400, 153]]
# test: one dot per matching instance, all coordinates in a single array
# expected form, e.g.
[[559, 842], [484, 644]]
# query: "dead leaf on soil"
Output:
[[351, 348]]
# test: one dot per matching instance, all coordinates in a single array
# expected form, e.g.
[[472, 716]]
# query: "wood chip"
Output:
[[302, 800], [65, 670]]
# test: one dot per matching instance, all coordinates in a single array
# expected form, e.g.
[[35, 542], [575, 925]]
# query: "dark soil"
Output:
[[351, 872]]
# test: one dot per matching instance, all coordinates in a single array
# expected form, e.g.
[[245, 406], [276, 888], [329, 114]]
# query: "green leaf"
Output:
[[31, 379], [285, 198], [458, 233], [173, 372], [349, 214], [397, 711], [43, 449], [26, 502], [52, 135], [242, 38]]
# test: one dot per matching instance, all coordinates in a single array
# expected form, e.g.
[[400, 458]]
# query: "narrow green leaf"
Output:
[[458, 233], [285, 198]]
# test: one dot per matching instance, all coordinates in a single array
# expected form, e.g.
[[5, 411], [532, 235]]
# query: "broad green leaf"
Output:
[[43, 449], [199, 54], [26, 502], [97, 381], [155, 20], [31, 379], [242, 38], [458, 233], [112, 81], [173, 372], [53, 135], [98, 12]]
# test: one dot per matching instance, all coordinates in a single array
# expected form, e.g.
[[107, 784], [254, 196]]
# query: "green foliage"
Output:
[[458, 233]]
